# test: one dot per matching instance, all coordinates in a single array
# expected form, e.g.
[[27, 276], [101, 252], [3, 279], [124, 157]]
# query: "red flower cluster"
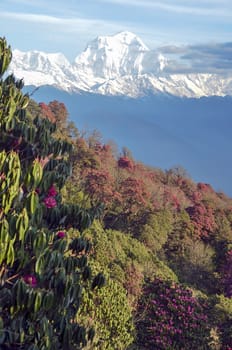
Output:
[[203, 219], [52, 192], [61, 234], [50, 201], [31, 280]]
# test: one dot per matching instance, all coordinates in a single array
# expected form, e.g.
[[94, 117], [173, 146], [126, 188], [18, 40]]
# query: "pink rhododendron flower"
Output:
[[31, 280], [50, 202], [52, 192], [61, 234]]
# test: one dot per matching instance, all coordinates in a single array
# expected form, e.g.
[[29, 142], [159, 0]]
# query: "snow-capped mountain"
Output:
[[39, 68], [112, 57], [115, 65]]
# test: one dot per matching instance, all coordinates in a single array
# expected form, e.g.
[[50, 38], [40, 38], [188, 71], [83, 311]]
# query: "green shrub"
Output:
[[108, 310]]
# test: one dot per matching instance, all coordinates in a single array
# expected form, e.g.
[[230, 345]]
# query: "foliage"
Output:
[[202, 217], [99, 186], [122, 256], [192, 259], [223, 320], [180, 237], [169, 317], [155, 232], [226, 271], [126, 259], [223, 232], [41, 269], [134, 194], [125, 163], [154, 224], [108, 310]]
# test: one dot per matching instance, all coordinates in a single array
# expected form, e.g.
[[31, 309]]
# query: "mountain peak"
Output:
[[113, 56], [35, 59], [119, 64], [124, 38], [130, 38]]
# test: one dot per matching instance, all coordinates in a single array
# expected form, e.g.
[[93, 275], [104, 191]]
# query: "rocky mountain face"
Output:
[[115, 65]]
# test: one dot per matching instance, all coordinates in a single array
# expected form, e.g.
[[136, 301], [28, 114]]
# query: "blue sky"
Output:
[[184, 26]]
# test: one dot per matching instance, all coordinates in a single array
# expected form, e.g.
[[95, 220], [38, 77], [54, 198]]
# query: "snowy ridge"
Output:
[[120, 64]]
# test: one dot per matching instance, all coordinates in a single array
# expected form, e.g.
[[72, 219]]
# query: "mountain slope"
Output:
[[161, 131], [120, 64]]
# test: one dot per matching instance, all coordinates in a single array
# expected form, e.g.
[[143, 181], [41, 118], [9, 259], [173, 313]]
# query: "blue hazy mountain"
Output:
[[162, 131]]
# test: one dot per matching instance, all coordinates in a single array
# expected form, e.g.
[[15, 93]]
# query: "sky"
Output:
[[195, 35], [198, 31]]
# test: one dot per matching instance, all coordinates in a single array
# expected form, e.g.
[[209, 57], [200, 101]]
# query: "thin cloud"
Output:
[[33, 3], [88, 27], [172, 49], [58, 7], [67, 23], [20, 2], [208, 58], [65, 29], [178, 8], [211, 57], [30, 17]]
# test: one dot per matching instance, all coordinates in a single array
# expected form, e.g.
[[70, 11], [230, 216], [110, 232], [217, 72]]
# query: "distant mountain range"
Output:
[[122, 89], [118, 65], [161, 131]]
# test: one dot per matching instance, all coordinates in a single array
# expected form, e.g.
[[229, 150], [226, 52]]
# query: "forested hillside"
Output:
[[99, 251], [159, 234]]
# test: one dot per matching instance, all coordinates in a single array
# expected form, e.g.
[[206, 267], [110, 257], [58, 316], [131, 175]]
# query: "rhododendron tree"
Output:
[[170, 317], [226, 272], [125, 163], [41, 269], [46, 112], [60, 112], [203, 220], [100, 186], [134, 194], [170, 200], [204, 187]]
